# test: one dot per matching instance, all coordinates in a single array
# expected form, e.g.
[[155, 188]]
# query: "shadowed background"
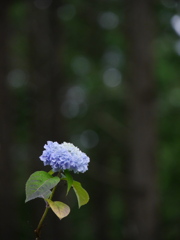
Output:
[[103, 75]]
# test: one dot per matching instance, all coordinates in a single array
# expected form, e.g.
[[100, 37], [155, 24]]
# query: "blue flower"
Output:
[[64, 156]]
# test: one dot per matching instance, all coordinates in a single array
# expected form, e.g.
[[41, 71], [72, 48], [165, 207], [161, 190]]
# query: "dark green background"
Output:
[[63, 73]]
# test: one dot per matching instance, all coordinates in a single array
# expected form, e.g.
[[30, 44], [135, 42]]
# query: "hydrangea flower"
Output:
[[64, 156]]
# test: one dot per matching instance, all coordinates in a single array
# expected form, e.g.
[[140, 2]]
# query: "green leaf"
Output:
[[51, 172], [69, 180], [81, 193], [39, 185], [59, 208]]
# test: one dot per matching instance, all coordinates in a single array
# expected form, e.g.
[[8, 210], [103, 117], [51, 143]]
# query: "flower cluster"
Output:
[[64, 156]]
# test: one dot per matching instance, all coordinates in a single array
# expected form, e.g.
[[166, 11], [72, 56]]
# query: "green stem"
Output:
[[38, 229]]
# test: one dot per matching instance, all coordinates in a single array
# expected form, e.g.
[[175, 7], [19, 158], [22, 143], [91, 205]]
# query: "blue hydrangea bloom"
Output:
[[64, 156]]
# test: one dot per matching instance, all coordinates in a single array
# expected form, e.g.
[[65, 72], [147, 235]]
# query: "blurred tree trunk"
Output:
[[47, 78], [141, 195], [7, 194], [101, 217], [47, 86]]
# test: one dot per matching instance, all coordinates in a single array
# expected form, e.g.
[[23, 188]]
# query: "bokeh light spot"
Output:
[[112, 77], [77, 94], [175, 22], [108, 20], [17, 78], [69, 109], [89, 139]]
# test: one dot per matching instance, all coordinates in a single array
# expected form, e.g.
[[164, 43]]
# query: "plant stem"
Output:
[[38, 229]]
